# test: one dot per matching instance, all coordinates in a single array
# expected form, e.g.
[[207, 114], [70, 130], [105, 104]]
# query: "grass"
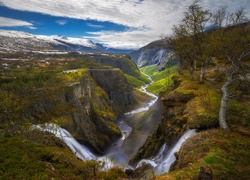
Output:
[[162, 80], [226, 153], [22, 159], [135, 82]]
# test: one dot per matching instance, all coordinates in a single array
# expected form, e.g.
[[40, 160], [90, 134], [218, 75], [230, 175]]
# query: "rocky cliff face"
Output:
[[98, 99], [116, 85], [92, 105], [123, 62]]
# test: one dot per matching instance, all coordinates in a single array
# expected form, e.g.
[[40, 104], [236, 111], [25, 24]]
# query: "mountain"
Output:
[[113, 50], [18, 40], [157, 52]]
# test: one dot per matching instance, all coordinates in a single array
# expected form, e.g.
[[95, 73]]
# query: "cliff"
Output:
[[211, 151], [188, 105], [90, 106], [123, 62]]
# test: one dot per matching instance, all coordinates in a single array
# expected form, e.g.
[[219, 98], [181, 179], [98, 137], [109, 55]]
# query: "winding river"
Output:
[[116, 155]]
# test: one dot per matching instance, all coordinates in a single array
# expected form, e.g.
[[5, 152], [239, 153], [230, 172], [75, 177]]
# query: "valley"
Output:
[[105, 116], [177, 108], [83, 93]]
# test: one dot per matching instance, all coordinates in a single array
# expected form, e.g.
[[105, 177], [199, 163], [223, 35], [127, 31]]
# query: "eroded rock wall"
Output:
[[90, 107]]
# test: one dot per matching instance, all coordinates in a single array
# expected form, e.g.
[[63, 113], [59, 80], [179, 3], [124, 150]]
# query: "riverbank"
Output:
[[217, 153], [143, 124]]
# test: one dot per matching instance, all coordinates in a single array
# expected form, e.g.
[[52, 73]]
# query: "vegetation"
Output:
[[23, 159], [213, 46], [33, 92], [162, 79], [213, 94], [226, 154], [227, 37]]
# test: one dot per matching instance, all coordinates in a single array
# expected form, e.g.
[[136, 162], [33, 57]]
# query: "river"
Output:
[[135, 127]]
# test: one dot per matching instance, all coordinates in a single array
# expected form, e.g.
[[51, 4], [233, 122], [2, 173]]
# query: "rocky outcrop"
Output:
[[89, 107], [185, 107], [123, 62], [99, 98], [116, 85]]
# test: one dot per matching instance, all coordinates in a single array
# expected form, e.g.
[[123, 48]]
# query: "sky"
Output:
[[122, 24]]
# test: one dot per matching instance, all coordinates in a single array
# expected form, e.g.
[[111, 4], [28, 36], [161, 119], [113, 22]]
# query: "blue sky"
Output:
[[126, 24], [52, 25]]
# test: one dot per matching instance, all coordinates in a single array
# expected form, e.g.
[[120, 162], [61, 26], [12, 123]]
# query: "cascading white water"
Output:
[[165, 158], [169, 158], [79, 150], [161, 162]]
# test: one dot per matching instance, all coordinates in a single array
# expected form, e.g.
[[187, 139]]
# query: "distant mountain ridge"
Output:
[[157, 52], [24, 41]]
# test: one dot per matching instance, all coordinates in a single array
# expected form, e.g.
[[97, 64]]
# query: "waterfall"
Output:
[[79, 150], [169, 158], [165, 158], [161, 163]]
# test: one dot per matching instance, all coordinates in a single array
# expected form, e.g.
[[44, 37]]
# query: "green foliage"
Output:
[[74, 75], [123, 62], [114, 173], [213, 158], [162, 80], [13, 118], [22, 159], [149, 70], [238, 113], [136, 83], [225, 153]]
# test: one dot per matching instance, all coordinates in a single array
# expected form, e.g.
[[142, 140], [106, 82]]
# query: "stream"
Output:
[[116, 155]]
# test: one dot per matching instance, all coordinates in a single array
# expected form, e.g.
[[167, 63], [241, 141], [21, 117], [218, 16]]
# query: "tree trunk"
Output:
[[224, 102], [180, 69], [202, 73], [192, 73]]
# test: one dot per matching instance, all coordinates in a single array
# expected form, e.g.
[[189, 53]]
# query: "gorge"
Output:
[[72, 115], [116, 154]]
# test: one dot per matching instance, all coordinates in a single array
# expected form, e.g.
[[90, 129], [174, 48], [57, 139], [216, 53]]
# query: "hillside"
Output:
[[158, 52], [176, 110], [192, 105]]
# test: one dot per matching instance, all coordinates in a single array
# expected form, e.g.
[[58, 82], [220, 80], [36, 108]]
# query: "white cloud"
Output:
[[31, 27], [94, 25], [147, 19], [8, 22], [61, 22]]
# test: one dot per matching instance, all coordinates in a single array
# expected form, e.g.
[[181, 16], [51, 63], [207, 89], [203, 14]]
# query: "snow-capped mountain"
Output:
[[23, 41]]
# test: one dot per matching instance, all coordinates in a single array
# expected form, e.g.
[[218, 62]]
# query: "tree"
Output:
[[233, 35], [191, 41]]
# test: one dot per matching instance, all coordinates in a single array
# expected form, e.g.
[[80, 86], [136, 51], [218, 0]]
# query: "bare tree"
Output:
[[234, 44], [190, 41]]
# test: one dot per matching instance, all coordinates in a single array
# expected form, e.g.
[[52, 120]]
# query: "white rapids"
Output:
[[114, 155]]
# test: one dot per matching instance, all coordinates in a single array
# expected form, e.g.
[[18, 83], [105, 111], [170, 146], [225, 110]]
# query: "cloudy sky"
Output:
[[116, 23]]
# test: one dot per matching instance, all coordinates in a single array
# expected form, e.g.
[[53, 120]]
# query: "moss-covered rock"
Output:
[[225, 153]]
